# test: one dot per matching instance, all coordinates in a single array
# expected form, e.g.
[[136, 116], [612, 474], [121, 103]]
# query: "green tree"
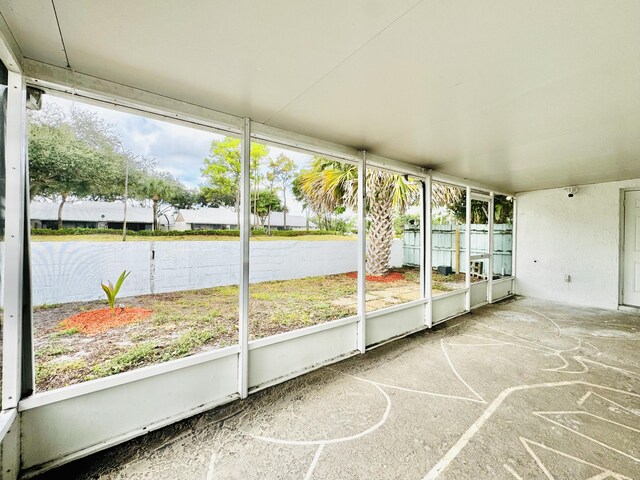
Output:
[[453, 199], [267, 202], [329, 184], [62, 166], [74, 154], [222, 171], [282, 171], [163, 190]]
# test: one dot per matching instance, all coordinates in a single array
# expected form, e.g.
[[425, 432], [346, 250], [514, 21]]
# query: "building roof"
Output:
[[90, 211], [299, 221], [209, 216], [226, 216]]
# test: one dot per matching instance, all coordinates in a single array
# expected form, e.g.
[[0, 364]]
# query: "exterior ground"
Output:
[[184, 323], [522, 389]]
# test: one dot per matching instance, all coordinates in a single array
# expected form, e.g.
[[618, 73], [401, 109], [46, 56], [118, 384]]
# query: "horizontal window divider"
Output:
[[66, 81], [502, 280], [451, 317], [480, 196], [396, 308], [482, 256], [461, 182], [298, 373], [283, 337], [284, 138], [479, 282], [85, 452], [398, 337], [394, 166], [503, 297], [449, 294], [39, 399]]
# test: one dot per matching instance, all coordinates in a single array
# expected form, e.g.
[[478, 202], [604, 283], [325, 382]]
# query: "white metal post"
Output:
[[467, 238], [15, 158], [514, 252], [245, 232], [362, 254], [427, 260], [491, 212]]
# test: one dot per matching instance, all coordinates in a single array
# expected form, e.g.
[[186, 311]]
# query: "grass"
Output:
[[187, 322], [46, 306], [135, 356], [67, 332], [63, 369]]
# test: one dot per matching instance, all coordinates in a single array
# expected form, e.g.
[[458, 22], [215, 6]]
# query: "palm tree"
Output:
[[329, 185]]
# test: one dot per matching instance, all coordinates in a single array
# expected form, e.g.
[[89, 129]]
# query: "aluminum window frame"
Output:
[[64, 82]]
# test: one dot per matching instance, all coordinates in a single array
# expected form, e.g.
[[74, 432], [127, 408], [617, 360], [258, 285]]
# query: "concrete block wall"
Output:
[[72, 271], [578, 236]]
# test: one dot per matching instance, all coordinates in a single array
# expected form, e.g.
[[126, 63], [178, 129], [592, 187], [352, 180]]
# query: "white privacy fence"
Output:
[[449, 246], [445, 250], [65, 272]]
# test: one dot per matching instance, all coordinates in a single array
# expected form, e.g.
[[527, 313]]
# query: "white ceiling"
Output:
[[521, 95]]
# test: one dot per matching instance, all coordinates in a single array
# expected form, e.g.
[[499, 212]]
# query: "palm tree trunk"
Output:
[[64, 199], [380, 236]]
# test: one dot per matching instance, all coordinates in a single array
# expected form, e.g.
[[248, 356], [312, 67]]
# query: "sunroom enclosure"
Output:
[[42, 430]]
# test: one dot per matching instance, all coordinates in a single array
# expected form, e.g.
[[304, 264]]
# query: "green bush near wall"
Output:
[[259, 232]]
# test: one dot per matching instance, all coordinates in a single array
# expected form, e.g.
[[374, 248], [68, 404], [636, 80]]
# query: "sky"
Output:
[[177, 149]]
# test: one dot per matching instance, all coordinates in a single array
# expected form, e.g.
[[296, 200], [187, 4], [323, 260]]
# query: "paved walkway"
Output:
[[519, 390]]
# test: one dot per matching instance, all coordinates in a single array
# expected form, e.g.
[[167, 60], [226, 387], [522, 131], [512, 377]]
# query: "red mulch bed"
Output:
[[96, 321], [389, 277]]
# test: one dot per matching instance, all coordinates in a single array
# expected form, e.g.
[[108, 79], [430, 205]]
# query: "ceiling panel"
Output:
[[456, 82], [33, 25], [241, 57], [514, 93]]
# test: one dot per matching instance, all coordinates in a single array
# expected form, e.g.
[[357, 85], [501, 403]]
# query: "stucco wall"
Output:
[[578, 236], [72, 271]]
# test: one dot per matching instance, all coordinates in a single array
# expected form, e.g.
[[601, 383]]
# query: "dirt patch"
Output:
[[96, 321], [388, 278], [187, 322]]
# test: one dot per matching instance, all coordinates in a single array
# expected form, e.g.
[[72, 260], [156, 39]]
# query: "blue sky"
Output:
[[178, 150]]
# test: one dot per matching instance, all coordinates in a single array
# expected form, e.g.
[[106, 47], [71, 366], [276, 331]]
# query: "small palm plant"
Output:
[[112, 291]]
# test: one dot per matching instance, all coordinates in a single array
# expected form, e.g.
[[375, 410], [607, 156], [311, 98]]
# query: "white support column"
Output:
[[15, 158], [245, 232], [362, 253], [427, 260], [514, 252], [467, 237], [490, 269]]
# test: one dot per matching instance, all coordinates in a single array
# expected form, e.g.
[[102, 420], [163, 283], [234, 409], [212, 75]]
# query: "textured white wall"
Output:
[[72, 271], [578, 236]]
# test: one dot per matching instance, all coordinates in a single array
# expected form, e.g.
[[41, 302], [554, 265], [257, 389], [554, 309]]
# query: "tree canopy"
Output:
[[75, 154], [222, 170]]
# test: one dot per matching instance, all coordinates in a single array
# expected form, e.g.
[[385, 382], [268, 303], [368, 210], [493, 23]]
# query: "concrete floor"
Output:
[[519, 390]]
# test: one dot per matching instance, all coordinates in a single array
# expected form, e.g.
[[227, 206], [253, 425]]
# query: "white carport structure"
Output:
[[501, 97]]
